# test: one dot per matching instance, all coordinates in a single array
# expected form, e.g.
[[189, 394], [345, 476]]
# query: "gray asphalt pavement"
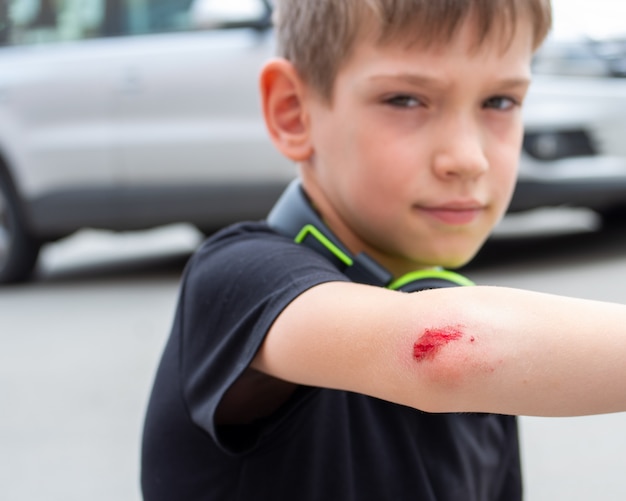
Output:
[[79, 345], [78, 350]]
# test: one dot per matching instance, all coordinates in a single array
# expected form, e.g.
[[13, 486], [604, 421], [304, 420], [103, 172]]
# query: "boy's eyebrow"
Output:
[[427, 81], [515, 82]]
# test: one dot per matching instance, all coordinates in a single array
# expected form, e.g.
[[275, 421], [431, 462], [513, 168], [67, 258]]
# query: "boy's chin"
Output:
[[452, 257], [453, 262], [447, 263]]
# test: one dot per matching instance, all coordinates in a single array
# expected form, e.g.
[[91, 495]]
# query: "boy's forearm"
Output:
[[526, 353], [466, 349]]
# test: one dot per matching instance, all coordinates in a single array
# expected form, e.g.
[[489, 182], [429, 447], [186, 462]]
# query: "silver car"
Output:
[[129, 114]]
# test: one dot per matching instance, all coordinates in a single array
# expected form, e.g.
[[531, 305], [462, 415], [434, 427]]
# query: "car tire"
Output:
[[19, 250]]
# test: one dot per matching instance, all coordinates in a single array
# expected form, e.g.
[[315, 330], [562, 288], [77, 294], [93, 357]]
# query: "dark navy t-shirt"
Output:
[[321, 444]]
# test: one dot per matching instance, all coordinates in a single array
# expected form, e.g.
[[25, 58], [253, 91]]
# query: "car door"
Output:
[[188, 129], [54, 114]]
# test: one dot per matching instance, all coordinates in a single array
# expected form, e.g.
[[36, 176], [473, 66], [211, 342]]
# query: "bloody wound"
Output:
[[429, 344]]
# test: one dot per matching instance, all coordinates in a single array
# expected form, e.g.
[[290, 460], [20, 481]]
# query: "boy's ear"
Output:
[[284, 109]]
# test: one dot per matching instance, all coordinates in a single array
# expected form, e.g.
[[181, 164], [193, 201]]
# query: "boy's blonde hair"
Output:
[[317, 36]]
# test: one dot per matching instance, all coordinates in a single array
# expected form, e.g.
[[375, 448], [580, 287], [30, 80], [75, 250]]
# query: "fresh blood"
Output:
[[432, 340]]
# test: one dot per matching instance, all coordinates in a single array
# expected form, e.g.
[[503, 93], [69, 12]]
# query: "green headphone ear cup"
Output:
[[429, 279]]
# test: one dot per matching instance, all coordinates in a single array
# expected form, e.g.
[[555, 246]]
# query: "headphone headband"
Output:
[[294, 216]]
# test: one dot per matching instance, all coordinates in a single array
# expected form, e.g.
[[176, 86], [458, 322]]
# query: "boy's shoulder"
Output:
[[240, 243], [250, 252], [237, 233]]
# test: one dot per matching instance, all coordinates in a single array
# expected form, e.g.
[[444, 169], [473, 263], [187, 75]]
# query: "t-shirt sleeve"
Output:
[[233, 290]]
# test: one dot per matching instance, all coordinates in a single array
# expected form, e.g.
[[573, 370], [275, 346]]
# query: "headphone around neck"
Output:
[[293, 216]]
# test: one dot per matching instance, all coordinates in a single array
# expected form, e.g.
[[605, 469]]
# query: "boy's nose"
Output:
[[460, 154]]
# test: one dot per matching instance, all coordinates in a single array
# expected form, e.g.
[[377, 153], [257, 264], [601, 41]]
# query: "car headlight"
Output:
[[559, 144]]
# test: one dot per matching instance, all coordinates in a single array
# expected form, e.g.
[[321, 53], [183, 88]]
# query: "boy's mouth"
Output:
[[456, 215]]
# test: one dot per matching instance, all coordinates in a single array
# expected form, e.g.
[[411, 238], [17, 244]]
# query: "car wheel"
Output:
[[18, 249]]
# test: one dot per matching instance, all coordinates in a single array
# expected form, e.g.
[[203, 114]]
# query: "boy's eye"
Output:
[[502, 103], [403, 101]]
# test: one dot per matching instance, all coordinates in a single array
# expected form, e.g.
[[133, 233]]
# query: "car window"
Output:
[[27, 22], [44, 21]]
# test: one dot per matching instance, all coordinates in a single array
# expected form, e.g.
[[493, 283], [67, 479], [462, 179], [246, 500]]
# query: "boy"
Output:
[[288, 376]]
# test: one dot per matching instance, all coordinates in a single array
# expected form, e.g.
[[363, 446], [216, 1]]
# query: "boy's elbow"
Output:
[[453, 382]]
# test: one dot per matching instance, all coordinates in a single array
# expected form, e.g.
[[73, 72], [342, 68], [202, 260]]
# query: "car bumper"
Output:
[[598, 183]]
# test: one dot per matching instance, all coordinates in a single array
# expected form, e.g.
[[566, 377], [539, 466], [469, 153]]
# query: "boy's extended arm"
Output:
[[466, 349]]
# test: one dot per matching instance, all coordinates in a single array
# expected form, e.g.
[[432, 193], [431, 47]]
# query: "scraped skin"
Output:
[[433, 340]]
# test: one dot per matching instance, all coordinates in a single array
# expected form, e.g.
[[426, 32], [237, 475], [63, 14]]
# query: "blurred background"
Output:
[[130, 130]]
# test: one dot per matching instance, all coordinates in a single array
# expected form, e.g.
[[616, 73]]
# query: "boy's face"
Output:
[[416, 158]]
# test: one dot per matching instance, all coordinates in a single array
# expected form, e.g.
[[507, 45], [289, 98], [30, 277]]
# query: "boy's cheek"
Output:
[[507, 130], [504, 161]]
